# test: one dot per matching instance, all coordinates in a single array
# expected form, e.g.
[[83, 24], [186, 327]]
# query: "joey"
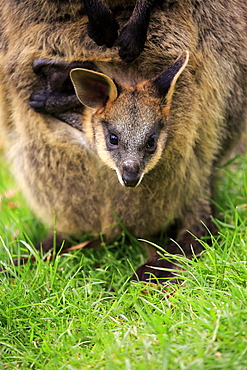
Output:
[[130, 128]]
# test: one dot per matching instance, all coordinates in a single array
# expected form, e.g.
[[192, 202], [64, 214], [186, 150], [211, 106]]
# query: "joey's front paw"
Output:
[[131, 43], [38, 101], [158, 271], [103, 29]]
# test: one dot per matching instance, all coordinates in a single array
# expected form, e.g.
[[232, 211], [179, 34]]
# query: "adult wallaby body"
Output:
[[174, 119]]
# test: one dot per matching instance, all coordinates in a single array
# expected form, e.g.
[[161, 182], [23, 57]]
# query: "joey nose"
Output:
[[130, 173]]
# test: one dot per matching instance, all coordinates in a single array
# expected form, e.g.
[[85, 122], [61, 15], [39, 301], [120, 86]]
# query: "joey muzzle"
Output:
[[131, 174]]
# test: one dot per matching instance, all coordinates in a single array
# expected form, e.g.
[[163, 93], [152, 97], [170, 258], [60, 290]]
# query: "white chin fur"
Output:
[[121, 180], [119, 177], [140, 179]]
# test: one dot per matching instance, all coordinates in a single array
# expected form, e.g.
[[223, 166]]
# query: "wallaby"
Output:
[[149, 134]]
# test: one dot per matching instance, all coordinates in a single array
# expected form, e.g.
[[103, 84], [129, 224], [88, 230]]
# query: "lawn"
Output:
[[81, 310]]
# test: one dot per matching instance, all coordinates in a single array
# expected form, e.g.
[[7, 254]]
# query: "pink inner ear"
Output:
[[98, 92], [93, 90]]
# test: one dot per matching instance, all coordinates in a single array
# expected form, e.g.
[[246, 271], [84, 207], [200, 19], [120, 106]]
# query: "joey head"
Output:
[[128, 126]]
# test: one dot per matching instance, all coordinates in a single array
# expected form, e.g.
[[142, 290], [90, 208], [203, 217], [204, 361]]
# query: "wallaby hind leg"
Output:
[[156, 269]]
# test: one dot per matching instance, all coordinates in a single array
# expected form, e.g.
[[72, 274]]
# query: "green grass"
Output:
[[63, 314]]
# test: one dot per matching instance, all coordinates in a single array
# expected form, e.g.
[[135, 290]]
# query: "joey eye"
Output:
[[151, 143], [113, 139]]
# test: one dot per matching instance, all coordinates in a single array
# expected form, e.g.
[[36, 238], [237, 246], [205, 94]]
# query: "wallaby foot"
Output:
[[61, 243], [52, 241], [156, 269]]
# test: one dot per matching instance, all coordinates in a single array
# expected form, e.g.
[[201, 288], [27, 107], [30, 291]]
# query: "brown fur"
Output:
[[57, 167], [102, 25]]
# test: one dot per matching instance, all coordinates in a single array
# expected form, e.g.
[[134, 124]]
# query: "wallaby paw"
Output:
[[131, 44], [104, 29], [38, 101], [157, 271], [49, 243]]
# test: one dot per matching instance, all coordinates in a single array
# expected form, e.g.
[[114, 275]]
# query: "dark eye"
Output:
[[113, 139], [151, 143]]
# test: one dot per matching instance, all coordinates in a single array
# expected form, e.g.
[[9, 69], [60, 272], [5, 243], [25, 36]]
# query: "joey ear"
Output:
[[166, 81], [93, 89]]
